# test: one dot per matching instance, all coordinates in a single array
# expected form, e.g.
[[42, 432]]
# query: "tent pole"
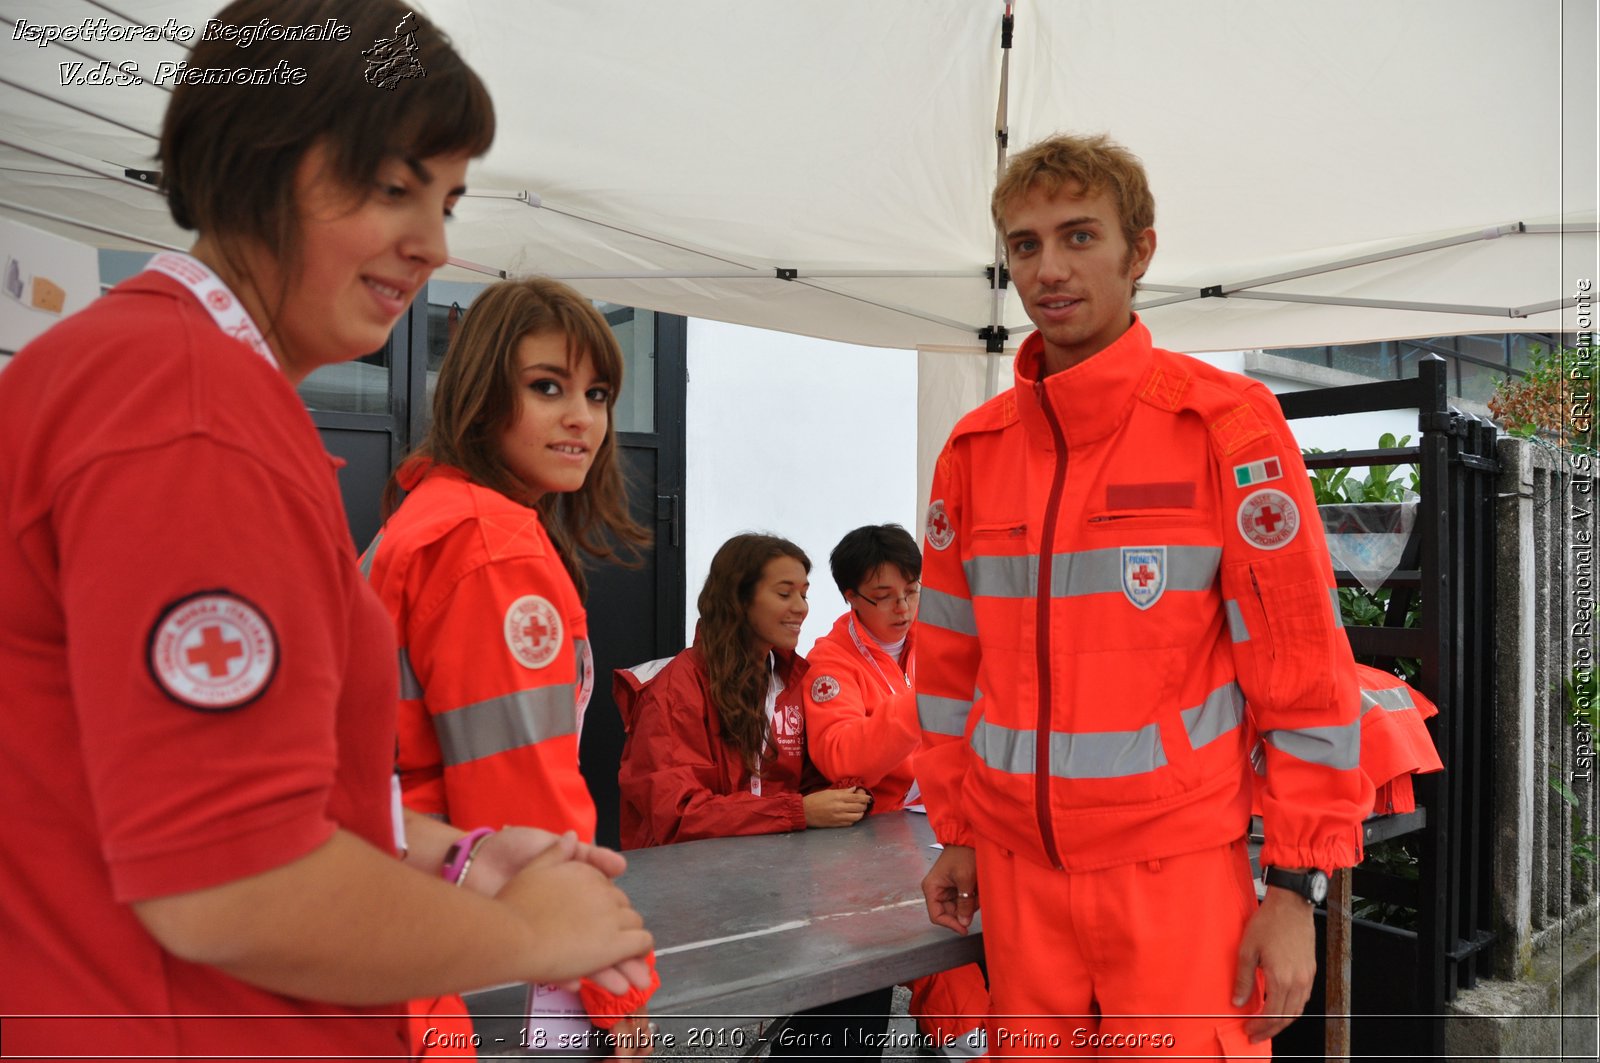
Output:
[[63, 219], [998, 280], [1393, 304]]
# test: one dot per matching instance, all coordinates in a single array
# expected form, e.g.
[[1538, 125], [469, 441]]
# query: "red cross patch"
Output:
[[533, 631], [213, 651], [1144, 574], [825, 688], [941, 533], [1268, 519]]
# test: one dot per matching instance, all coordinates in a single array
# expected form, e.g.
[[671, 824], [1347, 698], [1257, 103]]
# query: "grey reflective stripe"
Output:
[[510, 722], [947, 611], [1002, 577], [1108, 754], [368, 557], [943, 716], [1332, 747], [1390, 699], [1075, 573], [1221, 712], [1236, 624], [1091, 755], [410, 689], [1338, 614]]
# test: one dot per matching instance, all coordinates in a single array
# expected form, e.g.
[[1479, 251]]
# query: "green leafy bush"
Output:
[[1556, 399], [1358, 606]]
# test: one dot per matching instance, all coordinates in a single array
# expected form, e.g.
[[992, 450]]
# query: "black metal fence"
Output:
[[1402, 979]]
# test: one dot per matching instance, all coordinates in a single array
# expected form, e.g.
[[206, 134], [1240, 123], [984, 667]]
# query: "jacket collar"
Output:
[[841, 634], [1091, 399]]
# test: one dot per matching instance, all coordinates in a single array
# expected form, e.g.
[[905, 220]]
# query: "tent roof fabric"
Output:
[[678, 156]]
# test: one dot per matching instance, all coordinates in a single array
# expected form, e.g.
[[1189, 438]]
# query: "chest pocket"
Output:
[[1147, 505]]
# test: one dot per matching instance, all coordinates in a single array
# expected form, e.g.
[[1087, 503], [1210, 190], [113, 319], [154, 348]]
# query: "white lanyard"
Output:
[[862, 646], [774, 688], [223, 306]]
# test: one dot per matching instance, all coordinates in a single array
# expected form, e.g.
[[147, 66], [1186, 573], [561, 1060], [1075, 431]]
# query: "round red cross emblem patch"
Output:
[[825, 688], [533, 631], [213, 651], [941, 533], [1268, 519], [219, 300]]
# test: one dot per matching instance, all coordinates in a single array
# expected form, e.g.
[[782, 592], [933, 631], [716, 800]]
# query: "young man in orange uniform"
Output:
[[861, 726], [1121, 550]]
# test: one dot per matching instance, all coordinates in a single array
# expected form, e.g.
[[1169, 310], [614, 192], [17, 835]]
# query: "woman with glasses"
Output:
[[861, 723], [861, 705]]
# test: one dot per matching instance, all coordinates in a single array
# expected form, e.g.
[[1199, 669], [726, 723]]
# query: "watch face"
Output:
[[1317, 885]]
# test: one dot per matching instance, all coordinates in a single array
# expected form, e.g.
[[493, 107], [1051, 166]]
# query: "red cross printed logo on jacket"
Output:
[[941, 533], [1268, 519], [213, 651], [1144, 574], [824, 688], [533, 631]]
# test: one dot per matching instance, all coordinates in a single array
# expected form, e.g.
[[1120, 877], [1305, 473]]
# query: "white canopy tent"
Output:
[[682, 156]]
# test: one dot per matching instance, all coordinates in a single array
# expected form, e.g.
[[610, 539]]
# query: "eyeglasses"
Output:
[[889, 601]]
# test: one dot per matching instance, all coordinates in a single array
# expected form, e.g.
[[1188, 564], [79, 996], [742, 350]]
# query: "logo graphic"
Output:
[[219, 300], [941, 533], [789, 728], [1268, 519], [391, 60], [1144, 574], [1257, 472], [826, 688], [213, 651], [533, 631]]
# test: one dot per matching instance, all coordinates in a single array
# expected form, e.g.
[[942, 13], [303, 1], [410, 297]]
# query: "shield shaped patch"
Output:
[[1144, 574]]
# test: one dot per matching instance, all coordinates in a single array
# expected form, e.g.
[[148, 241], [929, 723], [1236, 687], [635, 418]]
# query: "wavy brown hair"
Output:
[[1088, 164], [476, 400], [737, 675]]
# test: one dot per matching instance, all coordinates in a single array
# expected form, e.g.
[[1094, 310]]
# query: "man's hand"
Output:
[[836, 808], [951, 888], [1282, 942]]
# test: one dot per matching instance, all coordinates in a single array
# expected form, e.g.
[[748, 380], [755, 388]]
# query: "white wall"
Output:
[[43, 278], [799, 437]]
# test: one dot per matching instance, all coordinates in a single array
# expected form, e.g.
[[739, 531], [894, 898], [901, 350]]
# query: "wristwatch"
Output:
[[1312, 884]]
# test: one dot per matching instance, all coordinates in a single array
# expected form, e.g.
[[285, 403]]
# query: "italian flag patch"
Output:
[[1257, 472]]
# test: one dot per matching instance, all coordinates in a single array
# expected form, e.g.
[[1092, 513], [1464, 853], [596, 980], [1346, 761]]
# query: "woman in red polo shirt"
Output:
[[197, 687]]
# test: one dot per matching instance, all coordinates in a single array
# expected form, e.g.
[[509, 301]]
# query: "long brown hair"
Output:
[[737, 675], [476, 400]]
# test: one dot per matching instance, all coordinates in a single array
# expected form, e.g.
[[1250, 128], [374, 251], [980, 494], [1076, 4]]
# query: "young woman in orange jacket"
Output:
[[479, 571]]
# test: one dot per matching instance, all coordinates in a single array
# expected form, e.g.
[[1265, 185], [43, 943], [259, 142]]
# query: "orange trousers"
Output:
[[1136, 960], [950, 1005]]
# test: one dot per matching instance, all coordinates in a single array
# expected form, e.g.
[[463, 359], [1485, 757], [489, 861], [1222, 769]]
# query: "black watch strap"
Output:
[[1312, 885]]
